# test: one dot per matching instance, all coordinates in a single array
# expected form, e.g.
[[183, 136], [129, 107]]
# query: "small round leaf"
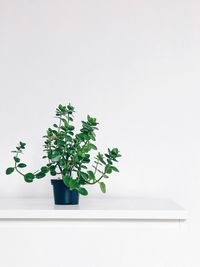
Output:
[[29, 177], [16, 159], [40, 175], [103, 187], [10, 170], [44, 169], [21, 165]]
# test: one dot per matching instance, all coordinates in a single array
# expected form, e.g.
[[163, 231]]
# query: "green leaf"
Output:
[[83, 191], [88, 117], [114, 151], [70, 107], [109, 161], [55, 132], [91, 175], [68, 138], [70, 127], [108, 169], [114, 169], [10, 170], [92, 146], [65, 171], [56, 156], [84, 175], [66, 180], [64, 128], [103, 187], [16, 159], [29, 177], [100, 157], [92, 136], [55, 153], [40, 175], [60, 143], [21, 165], [92, 121], [52, 168], [22, 145], [44, 169], [65, 122], [62, 108], [86, 160], [53, 173], [62, 162], [73, 184]]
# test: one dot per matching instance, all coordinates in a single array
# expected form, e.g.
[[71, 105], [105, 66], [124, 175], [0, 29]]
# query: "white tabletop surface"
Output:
[[110, 208]]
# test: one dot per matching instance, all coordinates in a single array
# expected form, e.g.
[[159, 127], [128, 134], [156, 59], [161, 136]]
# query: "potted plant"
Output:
[[69, 158]]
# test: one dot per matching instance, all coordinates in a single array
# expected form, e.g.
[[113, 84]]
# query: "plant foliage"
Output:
[[69, 154]]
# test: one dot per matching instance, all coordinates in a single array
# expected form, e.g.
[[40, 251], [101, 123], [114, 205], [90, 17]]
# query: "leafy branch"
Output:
[[69, 154]]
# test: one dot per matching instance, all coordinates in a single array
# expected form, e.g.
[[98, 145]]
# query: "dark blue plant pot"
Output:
[[63, 195]]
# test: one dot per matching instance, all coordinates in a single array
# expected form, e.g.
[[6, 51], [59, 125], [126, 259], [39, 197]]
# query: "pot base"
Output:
[[63, 195]]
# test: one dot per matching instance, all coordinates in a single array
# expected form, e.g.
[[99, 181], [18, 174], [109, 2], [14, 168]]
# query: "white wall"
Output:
[[132, 64]]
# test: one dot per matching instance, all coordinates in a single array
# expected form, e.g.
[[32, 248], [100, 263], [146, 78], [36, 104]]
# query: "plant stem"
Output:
[[16, 166], [96, 180], [97, 164], [60, 123], [59, 168]]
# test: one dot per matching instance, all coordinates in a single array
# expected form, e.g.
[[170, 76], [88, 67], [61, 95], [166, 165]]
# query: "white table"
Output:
[[128, 209], [96, 233]]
